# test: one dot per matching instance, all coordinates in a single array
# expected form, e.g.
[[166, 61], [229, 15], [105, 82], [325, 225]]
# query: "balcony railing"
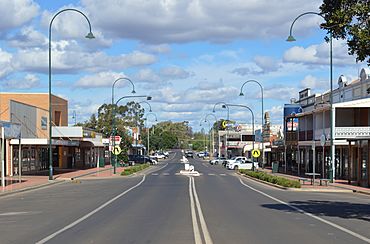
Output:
[[351, 132]]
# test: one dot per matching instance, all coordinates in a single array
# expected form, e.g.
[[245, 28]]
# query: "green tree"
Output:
[[350, 20]]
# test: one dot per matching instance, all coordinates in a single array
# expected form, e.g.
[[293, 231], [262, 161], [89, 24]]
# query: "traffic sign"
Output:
[[116, 139], [256, 153], [117, 150]]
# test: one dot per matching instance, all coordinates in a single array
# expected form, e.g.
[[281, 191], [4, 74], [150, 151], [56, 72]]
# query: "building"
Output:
[[308, 131], [71, 146]]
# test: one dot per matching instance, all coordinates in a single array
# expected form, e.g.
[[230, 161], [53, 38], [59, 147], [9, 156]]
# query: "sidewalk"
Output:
[[12, 184], [338, 186]]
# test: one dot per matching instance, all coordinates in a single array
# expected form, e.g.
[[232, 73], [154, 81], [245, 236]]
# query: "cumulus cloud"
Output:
[[312, 82], [68, 58], [319, 54], [101, 79], [28, 82], [280, 92], [28, 38], [261, 65], [187, 21], [15, 13], [6, 66]]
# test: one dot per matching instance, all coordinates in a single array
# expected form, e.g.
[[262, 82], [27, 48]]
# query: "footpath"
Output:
[[338, 186], [14, 184]]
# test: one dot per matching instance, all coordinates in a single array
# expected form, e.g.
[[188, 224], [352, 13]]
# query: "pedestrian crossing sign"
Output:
[[116, 150], [256, 153]]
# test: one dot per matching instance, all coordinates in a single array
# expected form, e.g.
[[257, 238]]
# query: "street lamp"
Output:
[[88, 36], [332, 150], [146, 118], [113, 107], [213, 136], [205, 138], [113, 127], [262, 115], [228, 118], [254, 136], [150, 107]]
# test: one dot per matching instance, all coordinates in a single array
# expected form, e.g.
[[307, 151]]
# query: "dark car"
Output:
[[189, 154], [139, 159]]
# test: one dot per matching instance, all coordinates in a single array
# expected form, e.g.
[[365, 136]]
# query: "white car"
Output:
[[233, 160], [159, 156], [242, 164], [218, 160]]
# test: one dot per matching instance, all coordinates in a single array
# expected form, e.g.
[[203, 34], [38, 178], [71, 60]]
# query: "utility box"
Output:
[[275, 167]]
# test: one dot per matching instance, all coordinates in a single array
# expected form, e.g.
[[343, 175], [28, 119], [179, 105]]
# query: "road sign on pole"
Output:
[[117, 150], [256, 153]]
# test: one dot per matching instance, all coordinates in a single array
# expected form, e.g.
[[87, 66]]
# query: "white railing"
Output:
[[351, 132]]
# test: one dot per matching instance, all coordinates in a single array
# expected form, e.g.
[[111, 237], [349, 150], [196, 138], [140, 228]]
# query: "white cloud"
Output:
[[312, 82], [16, 13], [28, 82], [186, 21], [101, 79], [28, 38], [6, 66], [319, 54], [67, 57]]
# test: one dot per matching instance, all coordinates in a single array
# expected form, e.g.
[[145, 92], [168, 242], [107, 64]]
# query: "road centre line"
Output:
[[197, 237], [361, 237], [49, 237], [203, 224]]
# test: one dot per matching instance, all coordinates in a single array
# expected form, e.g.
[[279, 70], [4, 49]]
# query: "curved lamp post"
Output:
[[262, 115], [114, 107], [332, 150], [213, 135], [205, 138], [146, 119], [88, 36], [254, 136], [224, 105], [113, 126], [150, 107]]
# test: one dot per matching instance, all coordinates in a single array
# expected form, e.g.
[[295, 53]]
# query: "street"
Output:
[[161, 206]]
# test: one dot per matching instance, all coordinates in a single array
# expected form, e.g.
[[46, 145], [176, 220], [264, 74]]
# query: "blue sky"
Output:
[[188, 55]]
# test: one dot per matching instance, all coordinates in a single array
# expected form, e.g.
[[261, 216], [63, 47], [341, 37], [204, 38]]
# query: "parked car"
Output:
[[159, 156], [140, 159], [218, 160], [233, 159], [242, 164], [189, 154]]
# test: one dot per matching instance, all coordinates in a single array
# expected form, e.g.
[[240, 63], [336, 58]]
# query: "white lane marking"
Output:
[[48, 238], [223, 174], [166, 174], [211, 174], [155, 174], [361, 237], [12, 213], [203, 224], [197, 237], [204, 164]]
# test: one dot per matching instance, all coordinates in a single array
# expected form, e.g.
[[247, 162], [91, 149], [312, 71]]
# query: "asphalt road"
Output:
[[161, 206]]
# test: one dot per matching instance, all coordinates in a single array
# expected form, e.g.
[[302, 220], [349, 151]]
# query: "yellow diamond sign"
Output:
[[256, 153], [116, 150]]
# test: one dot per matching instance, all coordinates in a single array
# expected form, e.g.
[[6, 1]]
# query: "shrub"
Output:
[[133, 169], [281, 181]]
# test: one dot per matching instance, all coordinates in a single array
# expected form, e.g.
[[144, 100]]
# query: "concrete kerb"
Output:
[[296, 189], [35, 187], [90, 173]]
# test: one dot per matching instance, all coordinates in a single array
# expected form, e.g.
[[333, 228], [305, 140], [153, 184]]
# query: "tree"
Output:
[[349, 19]]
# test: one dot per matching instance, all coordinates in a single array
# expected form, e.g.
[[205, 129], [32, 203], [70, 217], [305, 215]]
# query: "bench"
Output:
[[326, 181], [305, 180]]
